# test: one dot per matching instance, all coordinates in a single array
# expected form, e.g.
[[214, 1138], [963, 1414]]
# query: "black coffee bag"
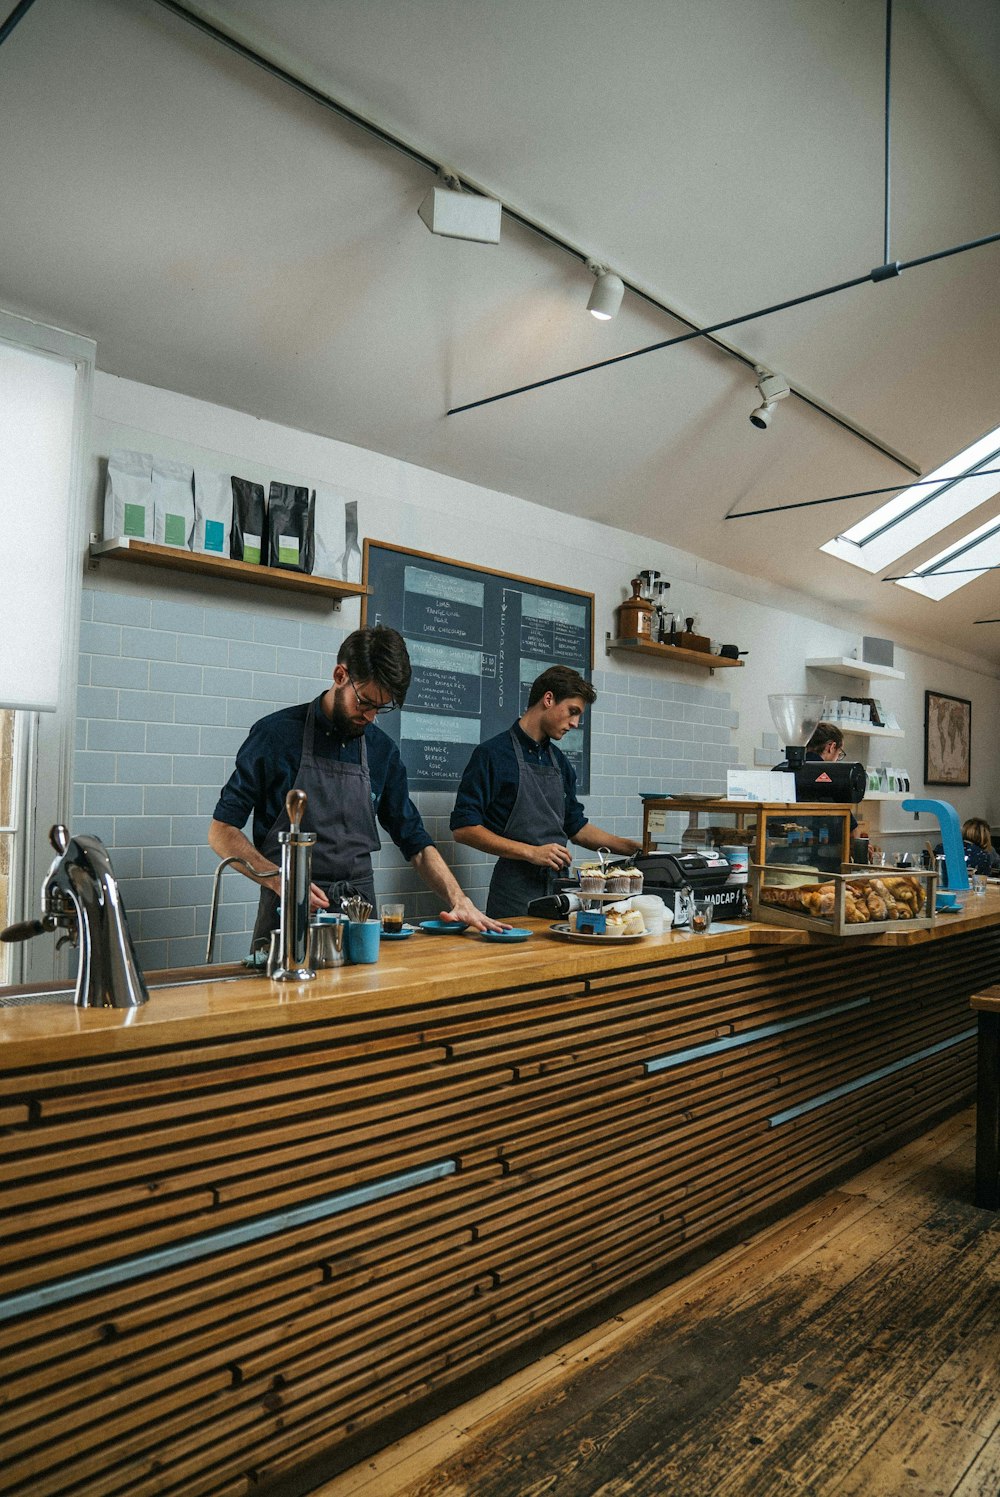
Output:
[[291, 513], [248, 541]]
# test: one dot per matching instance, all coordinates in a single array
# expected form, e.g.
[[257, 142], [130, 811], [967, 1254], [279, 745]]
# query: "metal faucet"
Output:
[[296, 871], [80, 896], [244, 867]]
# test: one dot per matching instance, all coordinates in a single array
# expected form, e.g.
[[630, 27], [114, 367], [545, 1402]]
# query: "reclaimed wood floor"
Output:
[[853, 1348]]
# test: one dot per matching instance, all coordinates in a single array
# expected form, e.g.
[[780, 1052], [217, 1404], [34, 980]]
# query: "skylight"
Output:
[[922, 511], [963, 562]]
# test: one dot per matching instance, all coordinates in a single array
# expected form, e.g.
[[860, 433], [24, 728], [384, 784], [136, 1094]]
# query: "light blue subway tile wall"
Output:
[[170, 687], [168, 690]]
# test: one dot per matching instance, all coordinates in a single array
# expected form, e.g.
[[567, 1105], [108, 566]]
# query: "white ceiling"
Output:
[[222, 235]]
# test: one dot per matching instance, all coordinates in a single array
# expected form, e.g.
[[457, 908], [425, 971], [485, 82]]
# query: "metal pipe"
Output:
[[17, 14], [244, 866], [880, 273]]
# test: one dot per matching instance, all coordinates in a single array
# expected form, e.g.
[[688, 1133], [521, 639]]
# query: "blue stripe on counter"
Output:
[[125, 1269], [748, 1036], [854, 1086]]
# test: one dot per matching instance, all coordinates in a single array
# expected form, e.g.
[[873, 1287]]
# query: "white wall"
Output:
[[416, 507]]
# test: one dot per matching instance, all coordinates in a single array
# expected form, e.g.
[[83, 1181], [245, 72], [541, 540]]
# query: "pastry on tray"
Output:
[[625, 923]]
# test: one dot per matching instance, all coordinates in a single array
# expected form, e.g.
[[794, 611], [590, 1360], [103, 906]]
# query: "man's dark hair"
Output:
[[563, 683], [379, 655], [824, 733]]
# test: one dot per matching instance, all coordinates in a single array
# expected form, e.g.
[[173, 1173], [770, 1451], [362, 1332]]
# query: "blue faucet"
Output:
[[957, 873]]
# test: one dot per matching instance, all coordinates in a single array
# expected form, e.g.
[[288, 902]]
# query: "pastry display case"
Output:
[[857, 901]]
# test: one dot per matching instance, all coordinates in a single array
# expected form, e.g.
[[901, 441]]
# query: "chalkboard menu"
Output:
[[477, 639]]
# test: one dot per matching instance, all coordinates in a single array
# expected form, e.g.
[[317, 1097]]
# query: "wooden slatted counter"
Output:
[[248, 1220]]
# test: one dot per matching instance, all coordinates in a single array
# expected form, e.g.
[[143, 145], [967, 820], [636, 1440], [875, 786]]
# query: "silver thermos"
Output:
[[293, 954]]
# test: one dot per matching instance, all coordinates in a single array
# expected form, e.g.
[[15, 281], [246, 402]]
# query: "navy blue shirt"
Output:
[[268, 762], [488, 790]]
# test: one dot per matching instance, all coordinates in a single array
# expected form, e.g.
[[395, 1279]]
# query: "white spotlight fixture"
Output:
[[456, 214], [606, 295], [771, 388]]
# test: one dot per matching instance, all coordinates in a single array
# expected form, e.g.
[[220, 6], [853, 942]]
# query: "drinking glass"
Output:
[[392, 918]]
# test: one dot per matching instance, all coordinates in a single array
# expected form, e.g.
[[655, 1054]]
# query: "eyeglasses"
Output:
[[364, 705], [841, 754]]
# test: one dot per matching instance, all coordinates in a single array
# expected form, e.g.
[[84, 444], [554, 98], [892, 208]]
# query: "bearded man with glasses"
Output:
[[353, 778]]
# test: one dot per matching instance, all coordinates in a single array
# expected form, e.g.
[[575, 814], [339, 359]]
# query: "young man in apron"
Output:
[[517, 799], [352, 775]]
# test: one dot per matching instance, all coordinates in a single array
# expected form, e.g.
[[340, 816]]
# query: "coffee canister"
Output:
[[738, 859], [635, 615]]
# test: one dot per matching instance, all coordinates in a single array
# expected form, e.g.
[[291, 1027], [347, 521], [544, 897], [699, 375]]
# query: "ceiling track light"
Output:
[[606, 293], [455, 214], [771, 388]]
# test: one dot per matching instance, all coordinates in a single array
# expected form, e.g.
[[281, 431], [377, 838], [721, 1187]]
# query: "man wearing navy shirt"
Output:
[[352, 775], [517, 799]]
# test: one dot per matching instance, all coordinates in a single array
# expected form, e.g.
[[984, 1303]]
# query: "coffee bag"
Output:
[[213, 512], [290, 526], [173, 503], [248, 540], [128, 496]]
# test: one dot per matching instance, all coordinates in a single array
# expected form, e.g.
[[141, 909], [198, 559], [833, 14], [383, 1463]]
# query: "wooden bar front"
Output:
[[246, 1222]]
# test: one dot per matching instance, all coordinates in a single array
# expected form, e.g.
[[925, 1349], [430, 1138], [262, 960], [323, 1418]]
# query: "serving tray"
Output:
[[563, 932]]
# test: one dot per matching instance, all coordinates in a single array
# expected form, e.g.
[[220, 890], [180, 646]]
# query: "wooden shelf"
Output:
[[842, 665], [669, 654], [173, 558]]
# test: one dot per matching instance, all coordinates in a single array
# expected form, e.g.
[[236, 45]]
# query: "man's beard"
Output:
[[343, 724]]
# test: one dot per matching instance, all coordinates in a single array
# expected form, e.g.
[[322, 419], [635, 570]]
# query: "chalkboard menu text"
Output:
[[477, 639]]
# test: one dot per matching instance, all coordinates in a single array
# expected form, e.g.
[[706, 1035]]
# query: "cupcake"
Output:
[[618, 881], [634, 923], [591, 878], [634, 879]]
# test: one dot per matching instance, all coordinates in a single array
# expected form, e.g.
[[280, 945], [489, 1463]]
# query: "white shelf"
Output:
[[842, 665], [870, 731], [892, 795]]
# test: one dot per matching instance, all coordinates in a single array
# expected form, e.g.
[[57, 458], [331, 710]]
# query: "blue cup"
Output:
[[363, 939]]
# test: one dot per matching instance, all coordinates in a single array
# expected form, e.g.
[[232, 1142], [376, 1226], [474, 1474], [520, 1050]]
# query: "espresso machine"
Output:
[[796, 716]]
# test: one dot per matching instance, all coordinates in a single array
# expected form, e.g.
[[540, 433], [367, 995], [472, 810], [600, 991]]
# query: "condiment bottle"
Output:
[[635, 615]]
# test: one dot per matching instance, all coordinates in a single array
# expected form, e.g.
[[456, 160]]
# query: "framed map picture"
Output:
[[947, 739]]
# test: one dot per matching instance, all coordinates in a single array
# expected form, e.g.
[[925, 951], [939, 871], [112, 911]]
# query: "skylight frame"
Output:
[[922, 511]]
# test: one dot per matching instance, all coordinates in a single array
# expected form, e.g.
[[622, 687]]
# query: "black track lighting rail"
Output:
[[880, 273], [893, 488]]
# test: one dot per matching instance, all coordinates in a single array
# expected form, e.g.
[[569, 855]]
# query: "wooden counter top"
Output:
[[408, 973], [250, 1221]]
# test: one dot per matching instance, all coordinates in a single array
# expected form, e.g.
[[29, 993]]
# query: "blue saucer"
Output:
[[516, 933], [946, 902], [443, 927], [397, 935]]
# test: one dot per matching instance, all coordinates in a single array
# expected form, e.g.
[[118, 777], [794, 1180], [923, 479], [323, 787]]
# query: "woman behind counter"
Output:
[[977, 844]]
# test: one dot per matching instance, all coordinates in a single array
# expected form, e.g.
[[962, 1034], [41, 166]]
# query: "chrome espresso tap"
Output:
[[80, 896], [296, 875]]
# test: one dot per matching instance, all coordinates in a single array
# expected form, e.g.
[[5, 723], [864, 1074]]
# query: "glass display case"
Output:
[[856, 901], [807, 834]]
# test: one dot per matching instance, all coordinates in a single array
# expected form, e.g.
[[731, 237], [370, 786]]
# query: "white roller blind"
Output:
[[37, 398]]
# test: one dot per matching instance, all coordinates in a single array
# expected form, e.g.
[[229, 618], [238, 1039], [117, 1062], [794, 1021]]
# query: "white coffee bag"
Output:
[[338, 553], [128, 496], [173, 503], [213, 512]]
